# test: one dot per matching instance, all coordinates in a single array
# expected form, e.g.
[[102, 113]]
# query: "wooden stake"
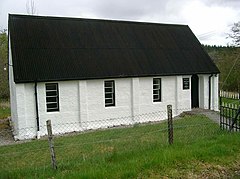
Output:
[[170, 124], [51, 145]]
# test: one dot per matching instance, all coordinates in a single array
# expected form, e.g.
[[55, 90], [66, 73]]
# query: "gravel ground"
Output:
[[213, 115], [6, 137]]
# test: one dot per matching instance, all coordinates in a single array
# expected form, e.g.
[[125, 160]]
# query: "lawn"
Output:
[[230, 101], [200, 150]]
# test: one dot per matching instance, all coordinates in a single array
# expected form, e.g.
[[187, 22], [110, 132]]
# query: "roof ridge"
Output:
[[95, 19]]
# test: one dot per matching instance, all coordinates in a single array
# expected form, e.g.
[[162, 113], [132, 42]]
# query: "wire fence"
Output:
[[87, 140]]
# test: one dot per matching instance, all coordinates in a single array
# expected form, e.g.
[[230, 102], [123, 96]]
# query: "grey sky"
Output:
[[210, 20]]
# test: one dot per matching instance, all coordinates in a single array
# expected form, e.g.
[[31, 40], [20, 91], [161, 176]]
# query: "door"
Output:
[[195, 91]]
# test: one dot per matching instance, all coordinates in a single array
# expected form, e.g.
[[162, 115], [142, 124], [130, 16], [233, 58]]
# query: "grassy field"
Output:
[[200, 150]]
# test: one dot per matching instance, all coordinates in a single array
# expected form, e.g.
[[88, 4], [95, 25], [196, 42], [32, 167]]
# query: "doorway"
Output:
[[195, 91]]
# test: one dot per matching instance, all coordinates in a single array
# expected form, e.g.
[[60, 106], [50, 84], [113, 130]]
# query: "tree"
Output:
[[4, 90], [235, 34], [30, 7], [228, 62]]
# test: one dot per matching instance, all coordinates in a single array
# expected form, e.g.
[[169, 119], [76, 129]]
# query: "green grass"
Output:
[[230, 101], [227, 111], [200, 150], [4, 109]]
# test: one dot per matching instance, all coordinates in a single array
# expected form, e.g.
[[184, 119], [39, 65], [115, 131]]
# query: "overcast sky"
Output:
[[210, 20]]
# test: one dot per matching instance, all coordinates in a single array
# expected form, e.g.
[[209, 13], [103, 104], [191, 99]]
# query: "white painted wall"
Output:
[[12, 89], [215, 93], [204, 92], [82, 103]]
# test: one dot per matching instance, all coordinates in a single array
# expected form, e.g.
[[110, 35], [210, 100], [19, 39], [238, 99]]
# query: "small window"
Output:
[[109, 90], [157, 90], [185, 83], [52, 97]]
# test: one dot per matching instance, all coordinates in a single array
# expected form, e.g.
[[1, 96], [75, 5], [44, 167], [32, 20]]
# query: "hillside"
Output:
[[226, 59]]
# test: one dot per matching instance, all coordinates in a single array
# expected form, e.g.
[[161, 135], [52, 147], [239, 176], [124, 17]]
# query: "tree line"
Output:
[[227, 60]]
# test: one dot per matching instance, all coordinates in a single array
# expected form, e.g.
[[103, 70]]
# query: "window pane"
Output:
[[156, 86], [52, 105], [156, 92], [156, 81], [108, 101], [155, 97], [108, 84], [109, 95], [51, 86], [51, 93], [52, 109], [109, 90], [51, 99]]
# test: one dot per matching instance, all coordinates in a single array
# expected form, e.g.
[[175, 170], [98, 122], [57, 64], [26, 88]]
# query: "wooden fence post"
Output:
[[51, 145], [170, 124]]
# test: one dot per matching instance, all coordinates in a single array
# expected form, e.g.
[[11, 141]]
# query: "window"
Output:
[[109, 93], [185, 83], [52, 97], [157, 89]]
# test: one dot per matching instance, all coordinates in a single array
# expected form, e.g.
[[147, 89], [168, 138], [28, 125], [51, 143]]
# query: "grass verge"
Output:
[[200, 150], [4, 109]]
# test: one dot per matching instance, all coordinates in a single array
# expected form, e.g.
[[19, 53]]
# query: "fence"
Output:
[[230, 116], [231, 95], [149, 130], [71, 128]]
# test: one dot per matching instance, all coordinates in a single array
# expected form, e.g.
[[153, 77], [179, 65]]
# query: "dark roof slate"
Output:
[[57, 48]]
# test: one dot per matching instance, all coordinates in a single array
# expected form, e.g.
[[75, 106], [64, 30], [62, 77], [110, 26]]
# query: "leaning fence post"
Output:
[[220, 101], [170, 124], [50, 140]]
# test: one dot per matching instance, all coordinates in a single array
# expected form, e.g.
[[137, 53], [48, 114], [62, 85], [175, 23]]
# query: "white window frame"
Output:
[[52, 88], [157, 90], [109, 93]]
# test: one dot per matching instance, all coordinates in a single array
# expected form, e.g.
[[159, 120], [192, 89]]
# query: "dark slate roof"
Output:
[[57, 48]]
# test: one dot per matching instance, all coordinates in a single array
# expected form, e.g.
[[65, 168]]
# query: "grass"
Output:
[[200, 150], [230, 112], [5, 109], [230, 101]]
